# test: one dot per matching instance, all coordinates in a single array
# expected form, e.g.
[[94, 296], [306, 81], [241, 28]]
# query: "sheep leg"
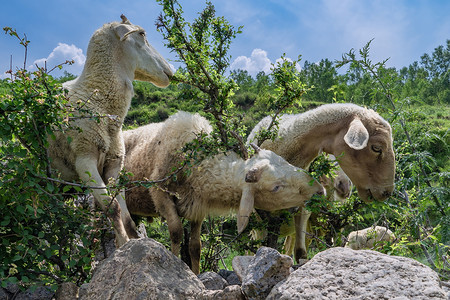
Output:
[[86, 166], [301, 221], [111, 170], [195, 246], [166, 208]]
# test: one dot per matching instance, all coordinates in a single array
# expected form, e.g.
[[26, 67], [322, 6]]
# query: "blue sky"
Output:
[[402, 30]]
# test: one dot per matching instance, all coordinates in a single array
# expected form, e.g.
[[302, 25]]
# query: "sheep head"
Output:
[[139, 58], [271, 183], [366, 155]]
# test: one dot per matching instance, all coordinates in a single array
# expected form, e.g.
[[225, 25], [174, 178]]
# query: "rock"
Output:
[[82, 291], [4, 295], [240, 265], [12, 288], [265, 270], [230, 276], [233, 279], [67, 291], [143, 269], [446, 287], [231, 292], [343, 273], [213, 281], [40, 293], [224, 273]]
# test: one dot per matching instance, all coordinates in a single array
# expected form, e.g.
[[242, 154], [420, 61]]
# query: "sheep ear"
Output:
[[245, 207], [357, 135], [123, 30]]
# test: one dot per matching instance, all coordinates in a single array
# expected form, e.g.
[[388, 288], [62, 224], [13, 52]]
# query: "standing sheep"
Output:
[[117, 54], [360, 137], [216, 186]]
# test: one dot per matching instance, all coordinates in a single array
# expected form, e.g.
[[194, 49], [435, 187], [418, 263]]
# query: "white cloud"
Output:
[[258, 61], [59, 55]]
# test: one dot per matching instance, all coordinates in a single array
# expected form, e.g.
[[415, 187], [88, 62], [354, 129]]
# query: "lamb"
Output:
[[359, 137], [369, 237], [117, 54], [216, 186]]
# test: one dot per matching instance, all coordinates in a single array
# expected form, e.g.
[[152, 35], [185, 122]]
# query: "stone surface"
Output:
[[342, 273], [231, 292], [67, 291], [3, 294], [143, 269], [212, 281], [40, 293], [233, 279], [265, 270], [240, 265]]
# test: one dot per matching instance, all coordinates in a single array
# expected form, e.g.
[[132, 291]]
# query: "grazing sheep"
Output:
[[216, 186], [369, 237], [117, 54], [338, 188], [360, 137]]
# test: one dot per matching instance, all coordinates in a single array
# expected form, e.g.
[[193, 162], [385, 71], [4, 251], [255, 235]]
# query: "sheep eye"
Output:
[[276, 188], [376, 148], [142, 33]]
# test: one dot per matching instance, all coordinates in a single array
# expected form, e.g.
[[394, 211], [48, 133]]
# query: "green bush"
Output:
[[45, 237]]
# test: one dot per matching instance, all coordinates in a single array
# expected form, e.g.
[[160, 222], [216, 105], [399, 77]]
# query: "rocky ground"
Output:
[[145, 269]]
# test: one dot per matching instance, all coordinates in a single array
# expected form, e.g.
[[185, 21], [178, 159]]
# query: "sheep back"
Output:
[[153, 151]]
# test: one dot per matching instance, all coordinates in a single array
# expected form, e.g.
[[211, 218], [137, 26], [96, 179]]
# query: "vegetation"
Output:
[[47, 237]]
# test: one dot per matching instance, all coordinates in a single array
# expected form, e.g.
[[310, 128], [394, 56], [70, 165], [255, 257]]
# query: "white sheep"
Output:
[[369, 237], [338, 188], [117, 54], [217, 186], [359, 137]]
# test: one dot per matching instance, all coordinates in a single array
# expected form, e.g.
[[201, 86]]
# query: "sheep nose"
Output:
[[169, 74]]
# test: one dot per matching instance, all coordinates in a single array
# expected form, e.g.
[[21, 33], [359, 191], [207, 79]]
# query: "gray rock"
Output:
[[224, 273], [212, 281], [4, 294], [82, 291], [12, 288], [230, 276], [267, 268], [233, 279], [40, 293], [67, 291], [240, 265], [143, 269], [342, 273], [231, 292], [446, 287]]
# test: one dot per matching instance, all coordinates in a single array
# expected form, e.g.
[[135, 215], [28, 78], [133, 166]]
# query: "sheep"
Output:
[[117, 54], [338, 188], [359, 137], [368, 238], [218, 185]]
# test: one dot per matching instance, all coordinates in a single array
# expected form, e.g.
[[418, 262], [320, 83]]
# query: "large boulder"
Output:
[[342, 273], [143, 269], [260, 273]]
